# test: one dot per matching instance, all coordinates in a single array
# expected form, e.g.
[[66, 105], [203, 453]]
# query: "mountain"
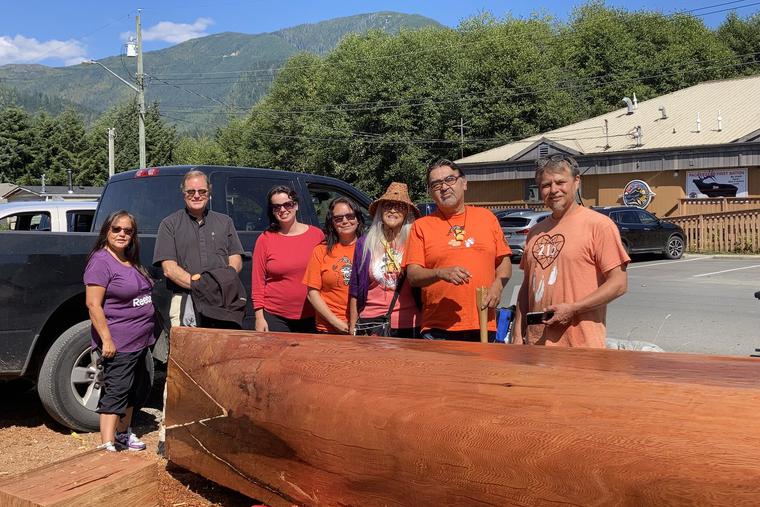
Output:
[[195, 81]]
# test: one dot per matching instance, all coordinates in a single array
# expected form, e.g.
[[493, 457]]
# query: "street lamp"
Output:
[[140, 89]]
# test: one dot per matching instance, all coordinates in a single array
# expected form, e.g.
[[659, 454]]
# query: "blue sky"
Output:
[[64, 33]]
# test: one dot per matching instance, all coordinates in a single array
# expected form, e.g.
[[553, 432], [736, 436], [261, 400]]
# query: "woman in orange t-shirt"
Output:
[[329, 270]]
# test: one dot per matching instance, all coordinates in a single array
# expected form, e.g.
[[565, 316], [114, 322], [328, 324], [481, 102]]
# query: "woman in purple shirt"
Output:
[[118, 298]]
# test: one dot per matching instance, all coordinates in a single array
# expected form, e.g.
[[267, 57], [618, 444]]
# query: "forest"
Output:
[[380, 106]]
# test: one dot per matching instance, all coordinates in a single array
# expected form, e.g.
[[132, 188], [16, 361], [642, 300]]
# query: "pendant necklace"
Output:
[[458, 231]]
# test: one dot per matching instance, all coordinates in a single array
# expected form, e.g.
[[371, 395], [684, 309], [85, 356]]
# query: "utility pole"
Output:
[[141, 90], [461, 137], [111, 164]]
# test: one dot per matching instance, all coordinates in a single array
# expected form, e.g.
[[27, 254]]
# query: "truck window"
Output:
[[322, 195], [31, 221], [149, 199], [79, 220], [246, 201]]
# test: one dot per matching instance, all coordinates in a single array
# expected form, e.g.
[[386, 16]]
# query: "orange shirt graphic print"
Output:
[[546, 249], [342, 269], [458, 235]]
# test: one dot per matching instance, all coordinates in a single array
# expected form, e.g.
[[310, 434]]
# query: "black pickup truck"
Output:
[[44, 325]]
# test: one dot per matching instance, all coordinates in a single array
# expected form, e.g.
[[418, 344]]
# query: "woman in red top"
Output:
[[279, 262], [329, 270]]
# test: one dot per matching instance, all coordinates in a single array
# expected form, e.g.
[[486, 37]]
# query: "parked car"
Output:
[[53, 216], [426, 208], [44, 323], [508, 211], [516, 227], [643, 232]]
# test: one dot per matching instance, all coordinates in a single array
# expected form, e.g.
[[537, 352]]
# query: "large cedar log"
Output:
[[329, 420]]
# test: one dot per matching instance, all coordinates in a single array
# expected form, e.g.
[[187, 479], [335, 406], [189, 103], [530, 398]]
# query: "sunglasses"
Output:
[[127, 230], [348, 216], [557, 157], [448, 180], [190, 192], [289, 205]]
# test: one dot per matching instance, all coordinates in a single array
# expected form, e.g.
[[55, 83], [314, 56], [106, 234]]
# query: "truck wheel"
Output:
[[69, 382]]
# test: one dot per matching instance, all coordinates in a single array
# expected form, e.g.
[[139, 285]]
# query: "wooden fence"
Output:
[[730, 232], [687, 207]]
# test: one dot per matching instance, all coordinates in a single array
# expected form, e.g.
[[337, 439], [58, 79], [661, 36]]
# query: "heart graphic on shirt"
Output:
[[547, 248]]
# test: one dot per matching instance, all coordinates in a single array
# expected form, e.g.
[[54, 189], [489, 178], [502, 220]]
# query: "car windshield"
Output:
[[514, 221]]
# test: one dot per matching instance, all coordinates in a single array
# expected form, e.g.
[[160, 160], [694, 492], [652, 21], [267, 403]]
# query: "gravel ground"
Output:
[[29, 438]]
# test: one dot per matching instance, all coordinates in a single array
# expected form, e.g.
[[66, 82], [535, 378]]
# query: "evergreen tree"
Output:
[[16, 138]]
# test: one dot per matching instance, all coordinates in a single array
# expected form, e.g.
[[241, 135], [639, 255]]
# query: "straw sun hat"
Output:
[[397, 192]]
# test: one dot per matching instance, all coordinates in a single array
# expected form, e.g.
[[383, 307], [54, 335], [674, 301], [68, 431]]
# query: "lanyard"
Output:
[[392, 262]]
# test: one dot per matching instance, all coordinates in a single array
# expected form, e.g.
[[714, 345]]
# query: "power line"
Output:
[[709, 7], [551, 39], [493, 94], [584, 83], [593, 81], [729, 9], [193, 92]]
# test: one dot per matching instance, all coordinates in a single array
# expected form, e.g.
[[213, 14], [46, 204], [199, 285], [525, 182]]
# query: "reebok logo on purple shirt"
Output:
[[145, 300]]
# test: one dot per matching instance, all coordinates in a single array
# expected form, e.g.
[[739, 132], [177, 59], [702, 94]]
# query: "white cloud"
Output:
[[168, 31], [20, 49]]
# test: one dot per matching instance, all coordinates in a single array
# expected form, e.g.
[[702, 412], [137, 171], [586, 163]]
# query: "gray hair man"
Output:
[[574, 264]]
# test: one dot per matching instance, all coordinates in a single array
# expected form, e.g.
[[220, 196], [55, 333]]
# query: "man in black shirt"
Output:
[[193, 240]]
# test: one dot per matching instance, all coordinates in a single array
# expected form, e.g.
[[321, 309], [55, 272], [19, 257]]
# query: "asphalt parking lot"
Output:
[[698, 304]]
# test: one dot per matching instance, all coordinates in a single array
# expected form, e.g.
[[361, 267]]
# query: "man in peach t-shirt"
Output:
[[574, 264]]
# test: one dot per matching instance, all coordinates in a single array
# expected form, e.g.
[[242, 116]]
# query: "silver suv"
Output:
[[516, 227]]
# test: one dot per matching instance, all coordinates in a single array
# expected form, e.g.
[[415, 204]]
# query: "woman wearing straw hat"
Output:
[[380, 301]]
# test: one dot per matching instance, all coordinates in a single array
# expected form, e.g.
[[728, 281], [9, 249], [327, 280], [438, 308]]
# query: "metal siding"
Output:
[[678, 130]]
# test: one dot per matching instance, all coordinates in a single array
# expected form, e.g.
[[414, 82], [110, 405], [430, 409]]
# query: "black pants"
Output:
[[407, 332], [469, 335], [126, 382], [208, 322], [279, 324]]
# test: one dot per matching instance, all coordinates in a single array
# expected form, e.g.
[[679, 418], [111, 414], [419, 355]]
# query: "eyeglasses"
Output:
[[190, 192], [127, 230], [348, 216], [557, 157], [289, 205], [449, 180], [394, 206]]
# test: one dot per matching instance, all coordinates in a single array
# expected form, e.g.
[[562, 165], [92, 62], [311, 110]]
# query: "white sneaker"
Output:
[[108, 446], [129, 440]]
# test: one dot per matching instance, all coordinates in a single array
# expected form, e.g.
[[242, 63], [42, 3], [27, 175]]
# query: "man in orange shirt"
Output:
[[450, 253], [574, 264]]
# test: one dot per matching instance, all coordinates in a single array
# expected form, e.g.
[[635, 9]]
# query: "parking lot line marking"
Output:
[[726, 271], [669, 263]]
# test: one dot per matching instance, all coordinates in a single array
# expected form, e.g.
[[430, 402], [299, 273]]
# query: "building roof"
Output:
[[6, 188], [730, 98], [51, 191]]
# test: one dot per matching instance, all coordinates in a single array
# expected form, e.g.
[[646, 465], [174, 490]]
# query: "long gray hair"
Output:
[[373, 245]]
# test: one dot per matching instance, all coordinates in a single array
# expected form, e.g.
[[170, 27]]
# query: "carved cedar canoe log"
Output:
[[328, 420]]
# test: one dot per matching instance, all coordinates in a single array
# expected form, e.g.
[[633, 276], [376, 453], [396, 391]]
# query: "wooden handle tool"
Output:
[[480, 298]]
